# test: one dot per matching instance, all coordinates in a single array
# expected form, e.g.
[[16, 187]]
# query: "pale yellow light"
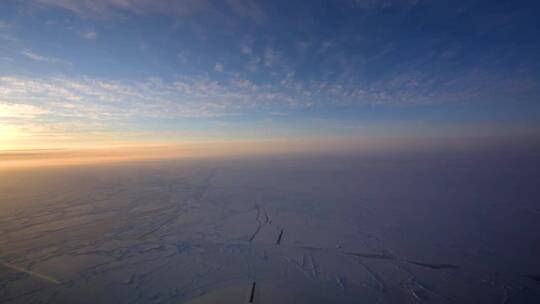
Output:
[[8, 136]]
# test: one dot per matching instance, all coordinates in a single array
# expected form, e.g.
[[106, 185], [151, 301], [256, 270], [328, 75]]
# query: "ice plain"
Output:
[[435, 228]]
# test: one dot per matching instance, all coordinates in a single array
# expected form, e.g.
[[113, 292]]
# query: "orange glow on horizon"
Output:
[[25, 158], [112, 153]]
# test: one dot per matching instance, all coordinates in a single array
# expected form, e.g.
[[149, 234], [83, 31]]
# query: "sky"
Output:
[[132, 72]]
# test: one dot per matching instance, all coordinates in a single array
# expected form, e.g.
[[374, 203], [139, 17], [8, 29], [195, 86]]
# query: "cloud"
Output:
[[5, 32], [106, 9], [243, 83], [246, 49], [34, 56], [183, 57], [64, 109], [20, 111], [111, 100], [37, 57], [249, 9], [108, 101], [90, 35], [113, 8], [270, 57], [253, 64], [218, 67], [4, 25], [327, 44]]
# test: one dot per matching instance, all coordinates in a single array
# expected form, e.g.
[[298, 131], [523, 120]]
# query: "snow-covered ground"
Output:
[[388, 229]]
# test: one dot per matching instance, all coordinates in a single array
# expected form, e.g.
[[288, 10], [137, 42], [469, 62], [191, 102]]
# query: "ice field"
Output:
[[380, 229]]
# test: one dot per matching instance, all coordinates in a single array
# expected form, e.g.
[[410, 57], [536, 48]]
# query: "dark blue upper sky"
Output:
[[178, 70]]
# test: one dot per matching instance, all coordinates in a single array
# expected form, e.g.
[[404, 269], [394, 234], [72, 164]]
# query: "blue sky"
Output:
[[82, 72]]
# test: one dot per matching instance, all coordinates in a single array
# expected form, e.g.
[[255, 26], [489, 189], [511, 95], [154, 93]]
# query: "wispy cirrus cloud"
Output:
[[246, 49], [20, 111], [113, 8], [249, 9], [271, 57], [4, 25], [5, 32], [90, 35], [11, 46], [41, 58], [184, 97], [218, 67], [64, 98], [106, 9], [63, 108]]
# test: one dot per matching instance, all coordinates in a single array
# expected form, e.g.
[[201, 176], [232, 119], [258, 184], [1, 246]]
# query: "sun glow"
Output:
[[8, 135]]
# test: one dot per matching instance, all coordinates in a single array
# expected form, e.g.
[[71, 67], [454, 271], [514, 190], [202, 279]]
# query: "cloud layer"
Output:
[[106, 66]]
